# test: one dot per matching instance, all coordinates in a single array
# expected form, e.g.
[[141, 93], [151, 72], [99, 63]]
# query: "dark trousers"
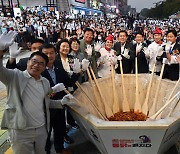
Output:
[[58, 125]]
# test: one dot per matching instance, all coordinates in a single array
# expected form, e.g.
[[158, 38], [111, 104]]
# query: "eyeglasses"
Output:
[[34, 62]]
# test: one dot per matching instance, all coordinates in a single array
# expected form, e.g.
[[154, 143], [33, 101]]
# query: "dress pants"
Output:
[[58, 125], [31, 141]]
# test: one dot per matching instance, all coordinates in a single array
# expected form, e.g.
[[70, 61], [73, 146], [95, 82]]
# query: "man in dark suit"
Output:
[[55, 73], [124, 48], [139, 51], [22, 64]]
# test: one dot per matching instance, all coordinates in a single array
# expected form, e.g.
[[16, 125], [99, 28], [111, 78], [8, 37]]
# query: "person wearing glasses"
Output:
[[26, 116]]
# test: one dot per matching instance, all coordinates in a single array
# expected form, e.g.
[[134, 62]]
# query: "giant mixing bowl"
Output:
[[128, 137]]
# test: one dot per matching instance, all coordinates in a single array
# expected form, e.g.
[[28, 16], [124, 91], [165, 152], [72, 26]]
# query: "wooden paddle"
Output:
[[95, 107], [153, 107], [170, 112], [125, 104], [98, 100], [115, 97], [145, 105], [137, 105], [153, 117], [108, 110]]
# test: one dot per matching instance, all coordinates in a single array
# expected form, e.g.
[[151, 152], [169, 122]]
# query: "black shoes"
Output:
[[68, 139]]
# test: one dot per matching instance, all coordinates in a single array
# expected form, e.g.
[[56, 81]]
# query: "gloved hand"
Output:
[[160, 51], [58, 87], [13, 50], [67, 99], [114, 60], [85, 64], [168, 46], [89, 50], [165, 61], [6, 39], [125, 54], [119, 57], [97, 47], [76, 66]]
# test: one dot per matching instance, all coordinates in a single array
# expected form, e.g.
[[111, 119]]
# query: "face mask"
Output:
[[99, 37]]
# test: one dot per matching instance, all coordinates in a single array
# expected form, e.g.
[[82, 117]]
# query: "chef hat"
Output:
[[109, 37], [157, 31]]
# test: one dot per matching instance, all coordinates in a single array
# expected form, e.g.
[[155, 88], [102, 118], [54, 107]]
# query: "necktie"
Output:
[[170, 50]]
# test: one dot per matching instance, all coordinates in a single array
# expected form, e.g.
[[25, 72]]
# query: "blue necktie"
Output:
[[170, 50]]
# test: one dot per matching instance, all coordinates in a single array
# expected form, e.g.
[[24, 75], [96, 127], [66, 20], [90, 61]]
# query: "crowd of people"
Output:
[[62, 50]]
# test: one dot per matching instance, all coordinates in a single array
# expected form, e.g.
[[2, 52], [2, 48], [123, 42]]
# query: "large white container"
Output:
[[135, 137]]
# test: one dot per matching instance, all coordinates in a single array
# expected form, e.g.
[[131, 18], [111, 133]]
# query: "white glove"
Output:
[[6, 39], [67, 99], [168, 46], [165, 61], [13, 50], [85, 64], [58, 87], [76, 66], [125, 54], [160, 51], [97, 47], [89, 50], [114, 60], [119, 57]]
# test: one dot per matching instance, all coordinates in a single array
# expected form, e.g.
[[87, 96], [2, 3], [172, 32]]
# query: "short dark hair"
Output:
[[39, 53], [74, 39], [140, 33], [47, 46], [59, 44], [37, 41], [87, 29], [123, 31], [172, 31]]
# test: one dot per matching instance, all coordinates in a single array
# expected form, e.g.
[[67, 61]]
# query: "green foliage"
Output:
[[163, 9]]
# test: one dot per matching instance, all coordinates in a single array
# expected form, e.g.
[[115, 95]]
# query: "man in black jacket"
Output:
[[124, 49], [139, 51]]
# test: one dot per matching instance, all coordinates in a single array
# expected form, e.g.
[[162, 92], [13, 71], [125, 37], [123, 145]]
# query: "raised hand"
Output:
[[7, 39], [85, 64], [76, 66], [14, 50]]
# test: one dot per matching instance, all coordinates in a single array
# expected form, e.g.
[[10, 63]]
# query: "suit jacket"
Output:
[[21, 65], [61, 77], [172, 71], [16, 81], [126, 63], [141, 59]]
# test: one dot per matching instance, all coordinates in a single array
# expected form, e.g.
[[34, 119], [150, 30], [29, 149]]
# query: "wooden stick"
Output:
[[170, 112], [95, 107], [145, 105], [137, 105], [108, 110], [125, 104], [153, 108], [98, 101], [153, 117], [115, 97]]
